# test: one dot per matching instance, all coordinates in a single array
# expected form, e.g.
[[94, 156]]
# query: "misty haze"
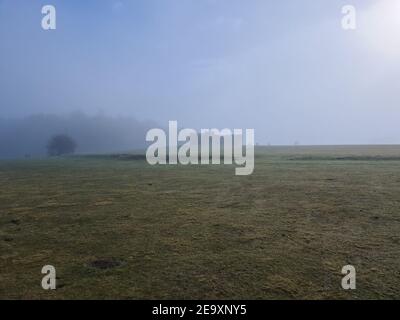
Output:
[[28, 136], [88, 210]]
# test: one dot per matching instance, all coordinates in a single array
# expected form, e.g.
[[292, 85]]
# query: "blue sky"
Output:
[[285, 68]]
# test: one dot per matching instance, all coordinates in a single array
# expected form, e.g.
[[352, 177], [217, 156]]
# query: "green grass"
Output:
[[200, 232]]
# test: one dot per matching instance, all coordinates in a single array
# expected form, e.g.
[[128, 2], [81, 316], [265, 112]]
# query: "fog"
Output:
[[284, 68], [28, 137]]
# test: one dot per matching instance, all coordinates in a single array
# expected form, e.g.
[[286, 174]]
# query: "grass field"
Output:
[[119, 228]]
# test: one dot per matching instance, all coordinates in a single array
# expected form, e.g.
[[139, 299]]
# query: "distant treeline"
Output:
[[28, 137]]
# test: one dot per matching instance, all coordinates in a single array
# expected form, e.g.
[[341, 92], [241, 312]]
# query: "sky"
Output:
[[284, 68]]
